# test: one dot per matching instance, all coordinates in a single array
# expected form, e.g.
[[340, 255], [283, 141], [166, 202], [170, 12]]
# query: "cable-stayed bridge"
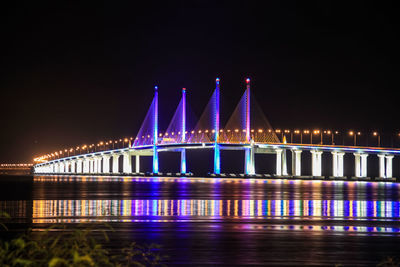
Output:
[[247, 130]]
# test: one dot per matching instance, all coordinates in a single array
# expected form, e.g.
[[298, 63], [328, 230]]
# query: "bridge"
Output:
[[247, 130], [15, 168]]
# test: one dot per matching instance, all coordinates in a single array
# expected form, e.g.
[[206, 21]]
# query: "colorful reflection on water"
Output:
[[300, 205], [156, 210], [262, 209]]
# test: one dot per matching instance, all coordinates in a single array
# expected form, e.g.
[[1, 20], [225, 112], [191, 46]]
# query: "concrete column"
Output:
[[73, 167], [381, 165], [334, 164], [56, 167], [316, 162], [137, 163], [364, 165], [127, 162], [340, 164], [183, 161], [389, 168], [95, 164], [79, 166], [106, 163], [66, 166], [278, 162], [357, 164], [284, 163], [115, 165], [99, 164], [91, 161], [296, 162], [249, 160], [86, 165], [62, 167]]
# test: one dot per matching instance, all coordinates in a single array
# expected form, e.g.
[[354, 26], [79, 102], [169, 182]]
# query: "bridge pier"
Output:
[[217, 159], [281, 166], [106, 163], [95, 164], [337, 164], [115, 165], [249, 167], [137, 164], [57, 167], [91, 165], [183, 160], [127, 168], [316, 163], [155, 159], [86, 165], [67, 164], [73, 166], [79, 163], [296, 162], [62, 167], [360, 165], [385, 170], [389, 167], [99, 163]]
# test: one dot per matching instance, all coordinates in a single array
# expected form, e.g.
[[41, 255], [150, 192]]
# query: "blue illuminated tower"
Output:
[[217, 157], [183, 131], [249, 151], [155, 131]]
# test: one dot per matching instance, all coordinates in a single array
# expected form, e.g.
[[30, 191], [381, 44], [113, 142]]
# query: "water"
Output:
[[223, 221]]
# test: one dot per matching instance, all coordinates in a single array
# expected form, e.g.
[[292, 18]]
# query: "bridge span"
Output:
[[245, 131], [107, 162]]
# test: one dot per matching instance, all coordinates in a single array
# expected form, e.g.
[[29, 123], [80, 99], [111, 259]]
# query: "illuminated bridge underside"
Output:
[[99, 163], [247, 130]]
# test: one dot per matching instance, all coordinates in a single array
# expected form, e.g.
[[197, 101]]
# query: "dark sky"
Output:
[[75, 72]]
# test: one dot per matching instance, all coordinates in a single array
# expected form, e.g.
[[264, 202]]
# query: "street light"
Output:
[[315, 132], [379, 137], [307, 132], [351, 133], [301, 135], [329, 132]]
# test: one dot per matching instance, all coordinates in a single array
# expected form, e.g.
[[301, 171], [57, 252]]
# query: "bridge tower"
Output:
[[183, 131], [217, 157], [249, 151], [155, 131]]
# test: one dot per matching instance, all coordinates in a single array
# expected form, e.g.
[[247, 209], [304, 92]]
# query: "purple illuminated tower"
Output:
[[183, 131], [249, 151], [217, 158], [155, 133], [247, 110]]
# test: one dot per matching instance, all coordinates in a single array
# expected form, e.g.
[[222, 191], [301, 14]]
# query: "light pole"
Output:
[[315, 132], [307, 132], [351, 133], [329, 132], [379, 137], [301, 135]]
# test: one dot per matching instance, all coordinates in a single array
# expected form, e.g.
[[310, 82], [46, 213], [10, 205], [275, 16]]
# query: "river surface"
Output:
[[205, 221]]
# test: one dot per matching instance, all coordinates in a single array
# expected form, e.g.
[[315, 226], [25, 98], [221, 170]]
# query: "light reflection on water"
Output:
[[167, 210], [349, 206], [305, 209]]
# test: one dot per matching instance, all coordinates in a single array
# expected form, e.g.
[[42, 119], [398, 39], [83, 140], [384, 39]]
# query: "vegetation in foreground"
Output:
[[71, 248]]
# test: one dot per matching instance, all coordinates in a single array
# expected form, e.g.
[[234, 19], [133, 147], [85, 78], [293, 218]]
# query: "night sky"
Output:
[[82, 72]]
